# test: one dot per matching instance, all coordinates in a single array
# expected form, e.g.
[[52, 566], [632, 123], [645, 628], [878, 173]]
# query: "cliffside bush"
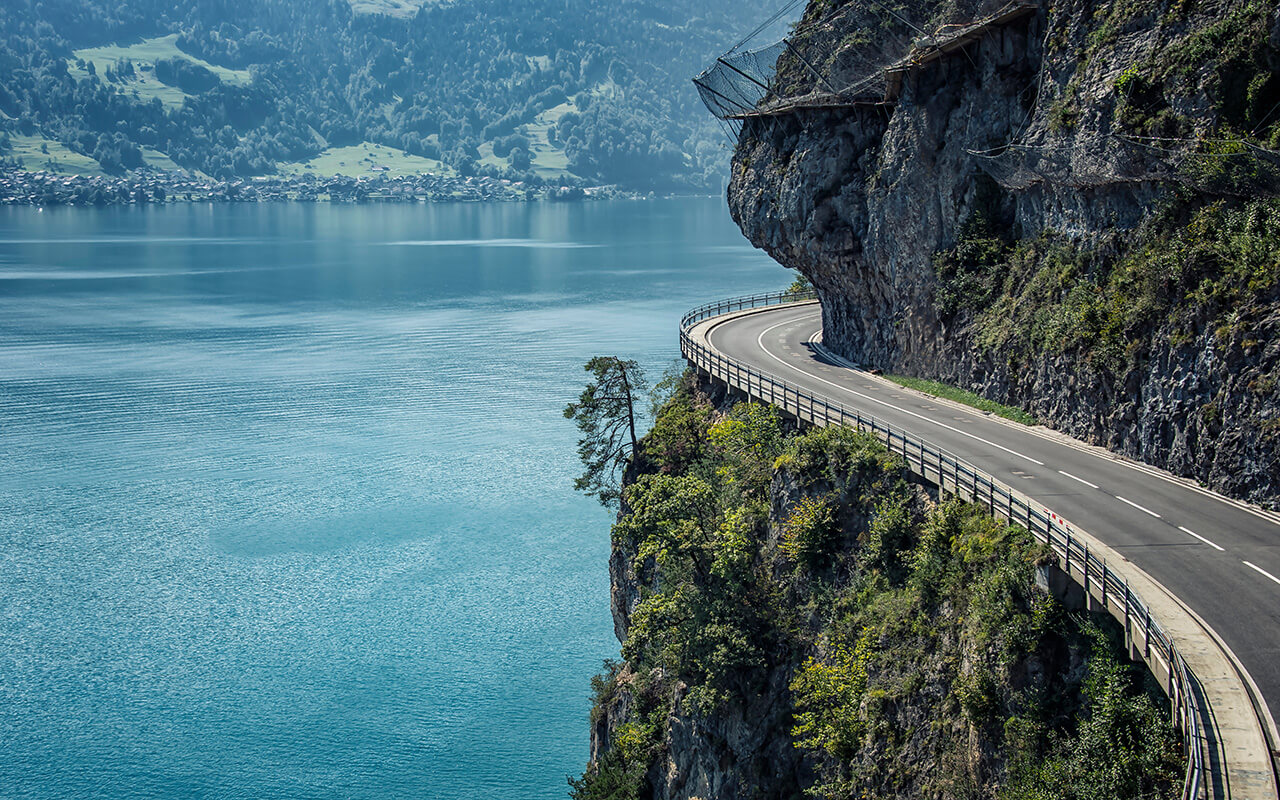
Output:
[[1049, 295], [879, 644]]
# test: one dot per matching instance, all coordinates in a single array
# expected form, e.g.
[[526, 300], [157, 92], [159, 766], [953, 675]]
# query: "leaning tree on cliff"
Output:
[[605, 414]]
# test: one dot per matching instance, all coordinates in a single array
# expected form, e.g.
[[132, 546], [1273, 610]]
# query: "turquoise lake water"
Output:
[[285, 490]]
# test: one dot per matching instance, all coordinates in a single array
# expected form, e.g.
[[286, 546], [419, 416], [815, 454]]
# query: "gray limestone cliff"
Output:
[[1116, 272]]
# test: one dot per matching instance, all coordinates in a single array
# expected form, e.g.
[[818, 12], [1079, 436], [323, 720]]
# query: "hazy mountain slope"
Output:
[[238, 87]]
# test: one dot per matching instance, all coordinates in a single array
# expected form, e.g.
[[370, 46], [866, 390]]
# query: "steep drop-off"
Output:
[[1116, 272], [798, 618]]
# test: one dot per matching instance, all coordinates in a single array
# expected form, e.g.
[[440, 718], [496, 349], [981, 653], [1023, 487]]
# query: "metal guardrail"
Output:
[[715, 309], [953, 474]]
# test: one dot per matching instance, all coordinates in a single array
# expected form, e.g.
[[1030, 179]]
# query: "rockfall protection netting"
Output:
[[846, 57], [858, 52], [1225, 167], [737, 82]]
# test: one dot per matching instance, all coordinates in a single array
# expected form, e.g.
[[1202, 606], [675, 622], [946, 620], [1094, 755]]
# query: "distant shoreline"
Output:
[[26, 188]]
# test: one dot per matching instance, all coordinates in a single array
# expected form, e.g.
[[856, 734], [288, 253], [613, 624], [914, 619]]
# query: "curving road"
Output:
[[1220, 557]]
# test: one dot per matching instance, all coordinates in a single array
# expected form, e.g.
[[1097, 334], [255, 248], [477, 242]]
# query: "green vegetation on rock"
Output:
[[968, 398], [878, 644], [1048, 295]]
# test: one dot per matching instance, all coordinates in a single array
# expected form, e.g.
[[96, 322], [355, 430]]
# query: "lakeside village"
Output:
[[21, 187]]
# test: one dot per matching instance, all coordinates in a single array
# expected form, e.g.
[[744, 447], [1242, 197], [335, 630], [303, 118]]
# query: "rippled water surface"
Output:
[[285, 504]]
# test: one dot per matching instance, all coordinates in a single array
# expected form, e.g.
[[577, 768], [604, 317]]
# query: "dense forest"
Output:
[[564, 89]]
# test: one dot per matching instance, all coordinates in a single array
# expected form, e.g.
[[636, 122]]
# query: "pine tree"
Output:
[[606, 415]]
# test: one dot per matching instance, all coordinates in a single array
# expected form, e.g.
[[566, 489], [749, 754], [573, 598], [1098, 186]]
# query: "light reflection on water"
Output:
[[285, 509]]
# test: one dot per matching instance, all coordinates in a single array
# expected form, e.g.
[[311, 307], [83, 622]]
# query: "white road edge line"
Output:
[[1108, 457], [1136, 466], [1257, 568], [1140, 508], [1081, 480], [765, 350], [1271, 517], [1201, 538]]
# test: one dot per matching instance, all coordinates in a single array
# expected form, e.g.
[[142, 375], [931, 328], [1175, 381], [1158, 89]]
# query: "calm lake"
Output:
[[286, 501]]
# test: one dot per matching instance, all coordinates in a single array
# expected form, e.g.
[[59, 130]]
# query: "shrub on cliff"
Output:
[[1047, 295], [1120, 746], [678, 440], [968, 628], [880, 645]]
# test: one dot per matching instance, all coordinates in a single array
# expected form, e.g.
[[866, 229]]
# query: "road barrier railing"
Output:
[[719, 307], [1102, 586]]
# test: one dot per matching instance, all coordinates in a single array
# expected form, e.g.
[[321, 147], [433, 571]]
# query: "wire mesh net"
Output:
[[1222, 167], [859, 50], [845, 57], [737, 82]]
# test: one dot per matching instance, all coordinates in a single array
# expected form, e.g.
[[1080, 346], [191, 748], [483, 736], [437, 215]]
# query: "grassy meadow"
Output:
[[144, 55]]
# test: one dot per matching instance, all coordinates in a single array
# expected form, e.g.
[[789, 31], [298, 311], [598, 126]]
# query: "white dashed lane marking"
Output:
[[1259, 569], [1201, 538], [1081, 480], [760, 344], [1143, 509]]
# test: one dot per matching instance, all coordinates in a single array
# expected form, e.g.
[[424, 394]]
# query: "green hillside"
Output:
[[543, 91]]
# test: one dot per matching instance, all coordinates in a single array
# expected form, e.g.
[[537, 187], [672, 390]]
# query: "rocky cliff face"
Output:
[[1104, 102]]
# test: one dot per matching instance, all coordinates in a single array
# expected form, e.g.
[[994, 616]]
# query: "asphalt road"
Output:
[[1221, 558]]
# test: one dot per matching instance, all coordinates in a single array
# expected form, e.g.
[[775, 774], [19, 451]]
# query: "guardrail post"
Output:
[[1086, 576], [1146, 634], [1174, 690], [1105, 585], [1050, 528], [1128, 633]]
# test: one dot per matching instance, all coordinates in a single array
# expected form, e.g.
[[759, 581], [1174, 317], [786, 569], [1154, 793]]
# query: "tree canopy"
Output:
[[606, 416], [599, 91]]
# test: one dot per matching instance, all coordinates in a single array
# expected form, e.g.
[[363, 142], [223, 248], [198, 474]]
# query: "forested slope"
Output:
[[537, 90], [798, 618]]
